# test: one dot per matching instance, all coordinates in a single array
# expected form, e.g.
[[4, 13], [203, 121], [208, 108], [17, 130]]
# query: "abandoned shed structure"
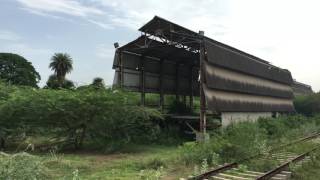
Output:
[[169, 59], [300, 89]]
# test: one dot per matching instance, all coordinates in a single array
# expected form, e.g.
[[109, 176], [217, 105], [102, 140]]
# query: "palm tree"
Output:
[[61, 64], [98, 82]]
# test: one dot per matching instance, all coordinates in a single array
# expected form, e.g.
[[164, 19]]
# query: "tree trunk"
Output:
[[80, 139], [83, 135], [60, 80], [2, 143]]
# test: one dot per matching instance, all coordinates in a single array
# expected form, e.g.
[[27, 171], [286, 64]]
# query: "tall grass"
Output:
[[248, 138], [22, 166]]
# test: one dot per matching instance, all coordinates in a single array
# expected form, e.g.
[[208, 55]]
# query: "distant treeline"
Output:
[[308, 105]]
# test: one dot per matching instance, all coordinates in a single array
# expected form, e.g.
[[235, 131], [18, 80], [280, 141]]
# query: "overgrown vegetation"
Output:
[[309, 170], [22, 166], [98, 116], [308, 105], [100, 119], [245, 139]]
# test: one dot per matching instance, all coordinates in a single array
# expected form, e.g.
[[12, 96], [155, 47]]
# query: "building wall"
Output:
[[228, 118]]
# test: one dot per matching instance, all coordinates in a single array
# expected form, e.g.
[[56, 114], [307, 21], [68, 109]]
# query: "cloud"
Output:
[[109, 14], [101, 24], [58, 9], [133, 14], [68, 7], [25, 50], [9, 36], [44, 14], [104, 51]]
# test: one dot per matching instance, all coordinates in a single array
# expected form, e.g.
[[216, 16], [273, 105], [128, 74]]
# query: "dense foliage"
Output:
[[98, 83], [61, 64], [244, 139], [21, 166], [308, 105], [53, 83], [79, 116], [16, 70]]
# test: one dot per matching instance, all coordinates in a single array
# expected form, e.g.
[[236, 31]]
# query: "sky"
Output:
[[283, 32]]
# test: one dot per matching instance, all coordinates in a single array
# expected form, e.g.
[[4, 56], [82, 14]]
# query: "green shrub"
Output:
[[308, 105], [102, 115], [245, 139], [195, 153], [231, 145], [153, 163], [178, 107], [22, 166], [241, 136]]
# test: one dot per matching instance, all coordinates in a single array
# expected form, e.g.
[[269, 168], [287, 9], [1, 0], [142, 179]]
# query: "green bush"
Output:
[[178, 107], [22, 166], [245, 139], [195, 153], [284, 125], [153, 163], [241, 136], [308, 105], [101, 115]]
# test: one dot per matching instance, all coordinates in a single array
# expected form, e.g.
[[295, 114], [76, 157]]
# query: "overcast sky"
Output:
[[284, 32]]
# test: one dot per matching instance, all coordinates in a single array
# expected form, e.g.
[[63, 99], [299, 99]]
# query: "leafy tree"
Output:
[[53, 83], [79, 116], [61, 64], [98, 83], [308, 105], [15, 69]]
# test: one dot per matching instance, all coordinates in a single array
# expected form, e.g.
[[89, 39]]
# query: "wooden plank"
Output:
[[233, 176]]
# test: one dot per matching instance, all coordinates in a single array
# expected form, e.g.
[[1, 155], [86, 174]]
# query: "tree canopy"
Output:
[[61, 64], [15, 69], [98, 83], [53, 83]]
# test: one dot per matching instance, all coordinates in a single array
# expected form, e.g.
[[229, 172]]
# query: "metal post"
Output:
[[120, 69], [161, 103], [202, 81], [142, 81], [177, 82], [184, 100], [191, 88]]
